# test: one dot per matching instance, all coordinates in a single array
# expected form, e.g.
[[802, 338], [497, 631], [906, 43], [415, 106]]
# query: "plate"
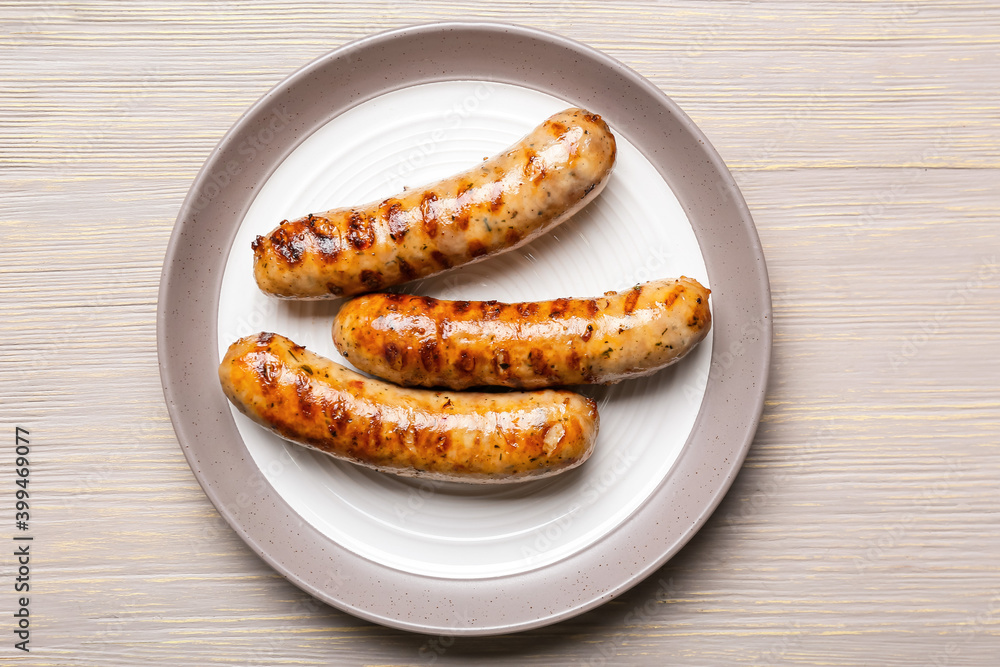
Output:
[[405, 108], [420, 134]]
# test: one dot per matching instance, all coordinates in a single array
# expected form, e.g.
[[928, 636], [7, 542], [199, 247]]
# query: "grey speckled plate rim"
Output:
[[188, 346]]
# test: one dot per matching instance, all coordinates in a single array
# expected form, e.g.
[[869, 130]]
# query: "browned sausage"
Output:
[[419, 341], [493, 207], [455, 436]]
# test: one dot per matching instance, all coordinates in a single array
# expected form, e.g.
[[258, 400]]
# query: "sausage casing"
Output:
[[493, 207], [455, 436], [420, 341]]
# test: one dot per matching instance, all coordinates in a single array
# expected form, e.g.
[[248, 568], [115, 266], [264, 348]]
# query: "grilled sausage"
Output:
[[455, 436], [419, 341], [493, 207]]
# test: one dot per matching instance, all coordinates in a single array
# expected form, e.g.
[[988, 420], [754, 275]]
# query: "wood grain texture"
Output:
[[864, 528]]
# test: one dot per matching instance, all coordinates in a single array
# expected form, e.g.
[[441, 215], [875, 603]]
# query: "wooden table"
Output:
[[863, 529]]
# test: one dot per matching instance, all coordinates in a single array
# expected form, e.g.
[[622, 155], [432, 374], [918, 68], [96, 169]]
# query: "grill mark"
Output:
[[591, 307], [360, 231], [339, 417], [501, 363], [592, 117], [426, 301], [491, 310], [336, 290], [529, 158], [391, 353], [406, 269], [462, 207], [477, 248], [287, 245], [466, 362], [496, 202], [512, 236], [428, 214], [632, 299], [526, 309], [398, 222], [372, 438], [558, 308], [303, 391], [441, 259], [460, 307], [539, 364], [267, 372], [672, 296], [371, 279], [430, 356], [535, 169], [442, 444], [574, 361]]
